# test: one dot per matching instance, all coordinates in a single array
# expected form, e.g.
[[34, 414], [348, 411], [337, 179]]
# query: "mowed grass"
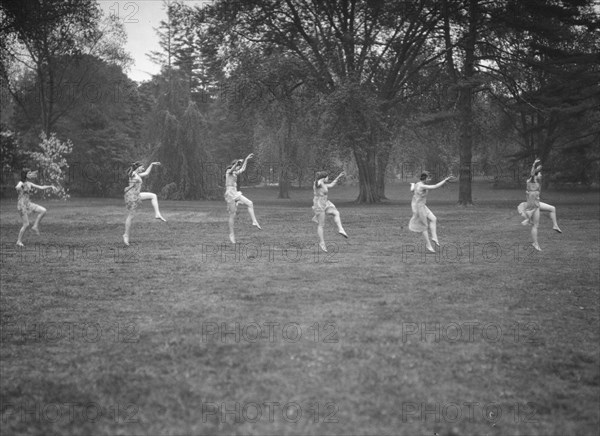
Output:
[[170, 336]]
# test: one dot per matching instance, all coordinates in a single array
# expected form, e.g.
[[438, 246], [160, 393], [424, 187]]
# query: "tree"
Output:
[[12, 157], [44, 37], [37, 34], [274, 94], [550, 82], [180, 42], [182, 149], [53, 163], [101, 112], [360, 54]]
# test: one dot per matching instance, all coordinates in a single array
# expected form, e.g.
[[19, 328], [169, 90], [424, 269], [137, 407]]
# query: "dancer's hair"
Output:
[[234, 163], [133, 167], [24, 173], [320, 175], [424, 176]]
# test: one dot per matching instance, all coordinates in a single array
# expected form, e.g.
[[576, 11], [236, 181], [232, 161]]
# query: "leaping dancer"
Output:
[[25, 206], [133, 196], [530, 209], [322, 206], [422, 218], [233, 196]]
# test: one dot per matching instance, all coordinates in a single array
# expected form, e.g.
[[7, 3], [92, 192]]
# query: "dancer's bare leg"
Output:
[[534, 229], [232, 212], [544, 207], [432, 220], [154, 199], [427, 242], [522, 208], [338, 223], [36, 225], [250, 205], [321, 224], [128, 221], [23, 230]]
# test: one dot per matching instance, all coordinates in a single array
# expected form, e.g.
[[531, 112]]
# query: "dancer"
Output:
[[25, 206], [133, 196], [233, 196], [530, 209], [422, 218], [322, 206]]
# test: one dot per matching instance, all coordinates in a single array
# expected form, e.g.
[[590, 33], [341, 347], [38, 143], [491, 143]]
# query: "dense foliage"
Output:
[[380, 89]]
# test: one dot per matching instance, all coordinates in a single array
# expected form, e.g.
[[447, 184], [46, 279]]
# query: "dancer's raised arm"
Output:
[[332, 184], [243, 168], [437, 185], [535, 168], [145, 173]]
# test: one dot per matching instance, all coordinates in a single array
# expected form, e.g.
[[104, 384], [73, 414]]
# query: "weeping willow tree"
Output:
[[182, 153], [177, 131]]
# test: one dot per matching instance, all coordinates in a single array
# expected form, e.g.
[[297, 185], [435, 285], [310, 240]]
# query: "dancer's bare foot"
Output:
[[430, 249], [323, 247], [343, 233], [126, 240], [232, 238], [436, 242], [160, 217], [36, 230], [537, 247], [525, 222], [556, 229], [20, 244], [257, 225]]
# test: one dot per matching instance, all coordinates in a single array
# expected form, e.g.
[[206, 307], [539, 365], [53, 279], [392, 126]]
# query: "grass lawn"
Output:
[[182, 333]]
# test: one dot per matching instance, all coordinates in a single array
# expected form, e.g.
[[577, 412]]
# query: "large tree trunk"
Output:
[[465, 103], [383, 158], [284, 176], [465, 152], [368, 191], [284, 181]]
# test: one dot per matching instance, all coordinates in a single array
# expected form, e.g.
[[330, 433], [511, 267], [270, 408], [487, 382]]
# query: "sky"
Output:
[[141, 18]]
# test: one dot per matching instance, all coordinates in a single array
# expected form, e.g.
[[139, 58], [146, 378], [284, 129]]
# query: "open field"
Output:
[[184, 334]]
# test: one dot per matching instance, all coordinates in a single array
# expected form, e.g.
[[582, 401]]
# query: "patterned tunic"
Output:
[[418, 221], [132, 193], [232, 195], [24, 205], [320, 202], [533, 199]]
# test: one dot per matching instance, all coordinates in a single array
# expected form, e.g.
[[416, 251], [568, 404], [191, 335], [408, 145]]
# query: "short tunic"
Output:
[[232, 195], [320, 202], [418, 221], [533, 199], [24, 205], [132, 193]]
